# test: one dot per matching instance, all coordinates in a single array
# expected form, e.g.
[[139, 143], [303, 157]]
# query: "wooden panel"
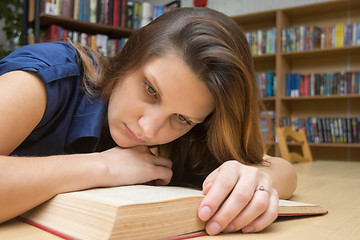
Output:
[[86, 27], [332, 152], [264, 63], [269, 103], [323, 106], [331, 9], [336, 153], [256, 21]]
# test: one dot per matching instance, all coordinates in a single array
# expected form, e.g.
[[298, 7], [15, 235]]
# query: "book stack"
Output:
[[262, 41], [118, 13], [326, 130], [99, 42], [309, 37], [322, 84]]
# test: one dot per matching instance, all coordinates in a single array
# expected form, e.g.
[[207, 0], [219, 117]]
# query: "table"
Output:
[[333, 185]]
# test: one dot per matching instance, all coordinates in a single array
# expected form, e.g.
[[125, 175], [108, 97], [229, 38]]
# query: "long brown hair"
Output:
[[215, 48]]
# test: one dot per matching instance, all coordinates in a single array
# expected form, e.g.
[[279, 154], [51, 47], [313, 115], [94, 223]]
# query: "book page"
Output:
[[135, 194], [293, 203]]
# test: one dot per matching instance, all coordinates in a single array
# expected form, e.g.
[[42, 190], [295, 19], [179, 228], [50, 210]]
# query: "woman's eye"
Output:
[[150, 90], [183, 119]]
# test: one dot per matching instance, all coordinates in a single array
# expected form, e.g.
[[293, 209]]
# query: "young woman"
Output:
[[179, 104]]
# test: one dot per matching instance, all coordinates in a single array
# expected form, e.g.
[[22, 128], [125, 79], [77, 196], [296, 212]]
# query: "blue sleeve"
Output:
[[56, 65], [51, 61]]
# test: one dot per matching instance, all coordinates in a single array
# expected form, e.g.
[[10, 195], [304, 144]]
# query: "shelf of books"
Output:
[[261, 33], [315, 61], [103, 25]]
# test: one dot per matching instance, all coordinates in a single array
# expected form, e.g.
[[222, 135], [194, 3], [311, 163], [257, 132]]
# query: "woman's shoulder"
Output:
[[39, 55], [50, 60], [45, 49]]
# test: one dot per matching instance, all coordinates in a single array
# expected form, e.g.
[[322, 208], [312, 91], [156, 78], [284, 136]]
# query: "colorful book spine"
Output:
[[266, 84], [322, 84], [99, 42], [267, 123], [119, 13], [326, 129], [262, 41], [309, 37]]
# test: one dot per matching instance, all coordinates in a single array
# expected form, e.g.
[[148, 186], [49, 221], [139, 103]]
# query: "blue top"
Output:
[[72, 121]]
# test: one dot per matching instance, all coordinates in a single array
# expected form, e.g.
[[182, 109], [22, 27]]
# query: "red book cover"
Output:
[[306, 84], [64, 236], [116, 14], [52, 33]]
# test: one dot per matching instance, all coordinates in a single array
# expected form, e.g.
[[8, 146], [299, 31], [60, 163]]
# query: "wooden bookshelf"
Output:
[[347, 58], [82, 26], [37, 20]]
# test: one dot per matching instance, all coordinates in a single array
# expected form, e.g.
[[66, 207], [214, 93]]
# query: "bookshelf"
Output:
[[37, 20], [320, 60], [82, 26]]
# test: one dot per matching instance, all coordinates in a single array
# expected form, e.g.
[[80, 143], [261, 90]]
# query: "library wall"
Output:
[[229, 7], [239, 7]]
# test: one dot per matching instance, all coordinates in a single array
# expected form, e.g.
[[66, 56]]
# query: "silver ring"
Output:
[[262, 189]]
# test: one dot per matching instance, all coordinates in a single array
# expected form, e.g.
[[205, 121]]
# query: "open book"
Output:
[[131, 212]]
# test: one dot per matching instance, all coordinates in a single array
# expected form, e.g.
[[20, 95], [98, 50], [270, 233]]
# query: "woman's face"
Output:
[[158, 103]]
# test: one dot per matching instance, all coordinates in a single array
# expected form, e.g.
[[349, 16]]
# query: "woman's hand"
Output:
[[127, 166], [233, 200]]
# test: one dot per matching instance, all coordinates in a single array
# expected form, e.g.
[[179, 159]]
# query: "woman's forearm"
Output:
[[26, 182], [282, 174]]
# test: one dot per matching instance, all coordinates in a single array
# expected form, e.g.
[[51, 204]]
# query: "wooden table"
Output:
[[333, 185]]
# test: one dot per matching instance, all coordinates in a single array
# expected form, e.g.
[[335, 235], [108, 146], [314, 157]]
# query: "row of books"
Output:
[[262, 41], [327, 130], [267, 125], [309, 37], [322, 84], [119, 13], [266, 83], [98, 42]]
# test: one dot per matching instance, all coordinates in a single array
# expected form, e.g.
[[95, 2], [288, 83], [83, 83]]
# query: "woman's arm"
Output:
[[233, 200], [26, 182], [22, 106], [283, 175]]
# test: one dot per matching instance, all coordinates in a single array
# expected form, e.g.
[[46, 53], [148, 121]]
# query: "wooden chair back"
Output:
[[286, 133]]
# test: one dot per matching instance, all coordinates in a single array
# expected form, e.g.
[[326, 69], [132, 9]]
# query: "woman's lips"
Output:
[[132, 135]]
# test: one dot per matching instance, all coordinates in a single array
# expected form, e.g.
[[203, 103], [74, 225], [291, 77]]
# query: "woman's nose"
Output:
[[151, 123]]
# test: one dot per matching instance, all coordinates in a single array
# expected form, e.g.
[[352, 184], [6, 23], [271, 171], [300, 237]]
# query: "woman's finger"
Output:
[[209, 181], [238, 199], [221, 187], [267, 217], [257, 206]]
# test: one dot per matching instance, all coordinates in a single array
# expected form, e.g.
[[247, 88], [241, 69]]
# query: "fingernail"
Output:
[[205, 213], [214, 228], [248, 229]]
